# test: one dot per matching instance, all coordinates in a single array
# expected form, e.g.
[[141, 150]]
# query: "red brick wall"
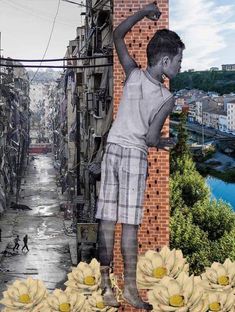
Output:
[[154, 231]]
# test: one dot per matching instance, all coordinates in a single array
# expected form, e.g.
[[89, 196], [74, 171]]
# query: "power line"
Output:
[[49, 40], [27, 10], [54, 66], [57, 59], [87, 6], [80, 4], [102, 5]]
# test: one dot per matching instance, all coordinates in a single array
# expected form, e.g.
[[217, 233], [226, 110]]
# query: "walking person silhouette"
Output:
[[16, 241], [25, 240]]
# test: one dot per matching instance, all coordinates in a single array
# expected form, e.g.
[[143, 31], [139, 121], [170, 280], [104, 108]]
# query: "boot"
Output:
[[105, 248], [129, 246], [108, 295]]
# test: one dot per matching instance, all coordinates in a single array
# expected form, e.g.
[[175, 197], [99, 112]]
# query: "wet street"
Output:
[[49, 257]]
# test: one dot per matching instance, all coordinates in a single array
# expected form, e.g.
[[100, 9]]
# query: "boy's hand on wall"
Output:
[[166, 143], [152, 11]]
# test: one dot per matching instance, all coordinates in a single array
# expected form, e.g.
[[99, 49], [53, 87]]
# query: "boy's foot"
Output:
[[133, 298], [109, 298], [108, 295]]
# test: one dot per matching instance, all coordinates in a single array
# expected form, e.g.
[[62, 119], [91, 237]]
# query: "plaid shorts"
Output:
[[123, 179]]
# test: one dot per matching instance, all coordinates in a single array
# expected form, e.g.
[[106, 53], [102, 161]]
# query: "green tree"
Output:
[[191, 189], [193, 242], [203, 229], [218, 81], [214, 217], [224, 247], [186, 184], [181, 148]]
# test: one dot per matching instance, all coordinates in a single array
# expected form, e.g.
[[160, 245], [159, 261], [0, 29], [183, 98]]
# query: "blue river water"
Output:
[[222, 190]]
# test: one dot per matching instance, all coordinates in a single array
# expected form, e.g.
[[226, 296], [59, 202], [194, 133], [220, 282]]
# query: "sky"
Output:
[[25, 27], [207, 28]]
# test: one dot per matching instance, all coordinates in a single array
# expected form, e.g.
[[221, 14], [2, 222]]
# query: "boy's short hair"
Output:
[[164, 42]]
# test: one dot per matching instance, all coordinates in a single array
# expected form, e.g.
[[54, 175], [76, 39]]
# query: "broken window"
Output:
[[102, 21], [79, 79]]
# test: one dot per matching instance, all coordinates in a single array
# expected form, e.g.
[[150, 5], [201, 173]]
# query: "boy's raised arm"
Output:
[[128, 63]]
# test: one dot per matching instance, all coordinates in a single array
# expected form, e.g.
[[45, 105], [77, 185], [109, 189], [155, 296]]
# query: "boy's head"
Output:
[[165, 50]]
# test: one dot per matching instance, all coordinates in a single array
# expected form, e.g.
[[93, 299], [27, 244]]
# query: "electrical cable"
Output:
[[62, 59], [88, 39], [108, 33], [87, 6], [49, 40], [104, 5], [57, 59], [80, 4], [54, 66], [28, 10]]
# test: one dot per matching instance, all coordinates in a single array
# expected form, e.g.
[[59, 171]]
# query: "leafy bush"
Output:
[[203, 229], [224, 247], [187, 185], [214, 217], [191, 240]]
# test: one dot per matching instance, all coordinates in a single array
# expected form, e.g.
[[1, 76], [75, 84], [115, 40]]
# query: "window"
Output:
[[79, 79]]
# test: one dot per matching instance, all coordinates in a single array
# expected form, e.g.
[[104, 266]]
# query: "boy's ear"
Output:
[[165, 60]]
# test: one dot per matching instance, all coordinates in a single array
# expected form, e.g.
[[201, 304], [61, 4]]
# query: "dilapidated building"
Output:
[[81, 111], [14, 129]]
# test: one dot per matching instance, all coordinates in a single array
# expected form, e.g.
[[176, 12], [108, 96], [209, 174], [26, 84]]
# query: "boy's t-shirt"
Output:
[[142, 99]]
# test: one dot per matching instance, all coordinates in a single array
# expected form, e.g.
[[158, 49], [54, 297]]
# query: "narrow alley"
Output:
[[48, 257]]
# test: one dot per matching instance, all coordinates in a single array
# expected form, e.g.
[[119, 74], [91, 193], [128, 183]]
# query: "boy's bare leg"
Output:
[[129, 246], [106, 245]]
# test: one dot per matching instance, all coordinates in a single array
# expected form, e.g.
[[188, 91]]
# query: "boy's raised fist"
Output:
[[152, 11]]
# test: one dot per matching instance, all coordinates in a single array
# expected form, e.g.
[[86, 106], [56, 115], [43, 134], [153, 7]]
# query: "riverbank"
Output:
[[220, 166]]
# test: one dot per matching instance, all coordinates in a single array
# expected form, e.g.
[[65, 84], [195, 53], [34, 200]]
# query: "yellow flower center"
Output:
[[214, 306], [64, 307], [177, 301], [24, 298], [159, 272], [100, 305], [223, 280], [89, 280]]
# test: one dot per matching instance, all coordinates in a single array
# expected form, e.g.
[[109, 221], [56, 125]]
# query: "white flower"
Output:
[[24, 295], [95, 303], [85, 277], [220, 301], [153, 266], [41, 307], [220, 276], [182, 294], [60, 301], [116, 290]]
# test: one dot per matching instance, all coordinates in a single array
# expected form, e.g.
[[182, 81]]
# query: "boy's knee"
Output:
[[107, 225], [131, 228]]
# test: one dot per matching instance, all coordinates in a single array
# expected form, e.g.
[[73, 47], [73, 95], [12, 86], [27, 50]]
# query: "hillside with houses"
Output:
[[208, 108]]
